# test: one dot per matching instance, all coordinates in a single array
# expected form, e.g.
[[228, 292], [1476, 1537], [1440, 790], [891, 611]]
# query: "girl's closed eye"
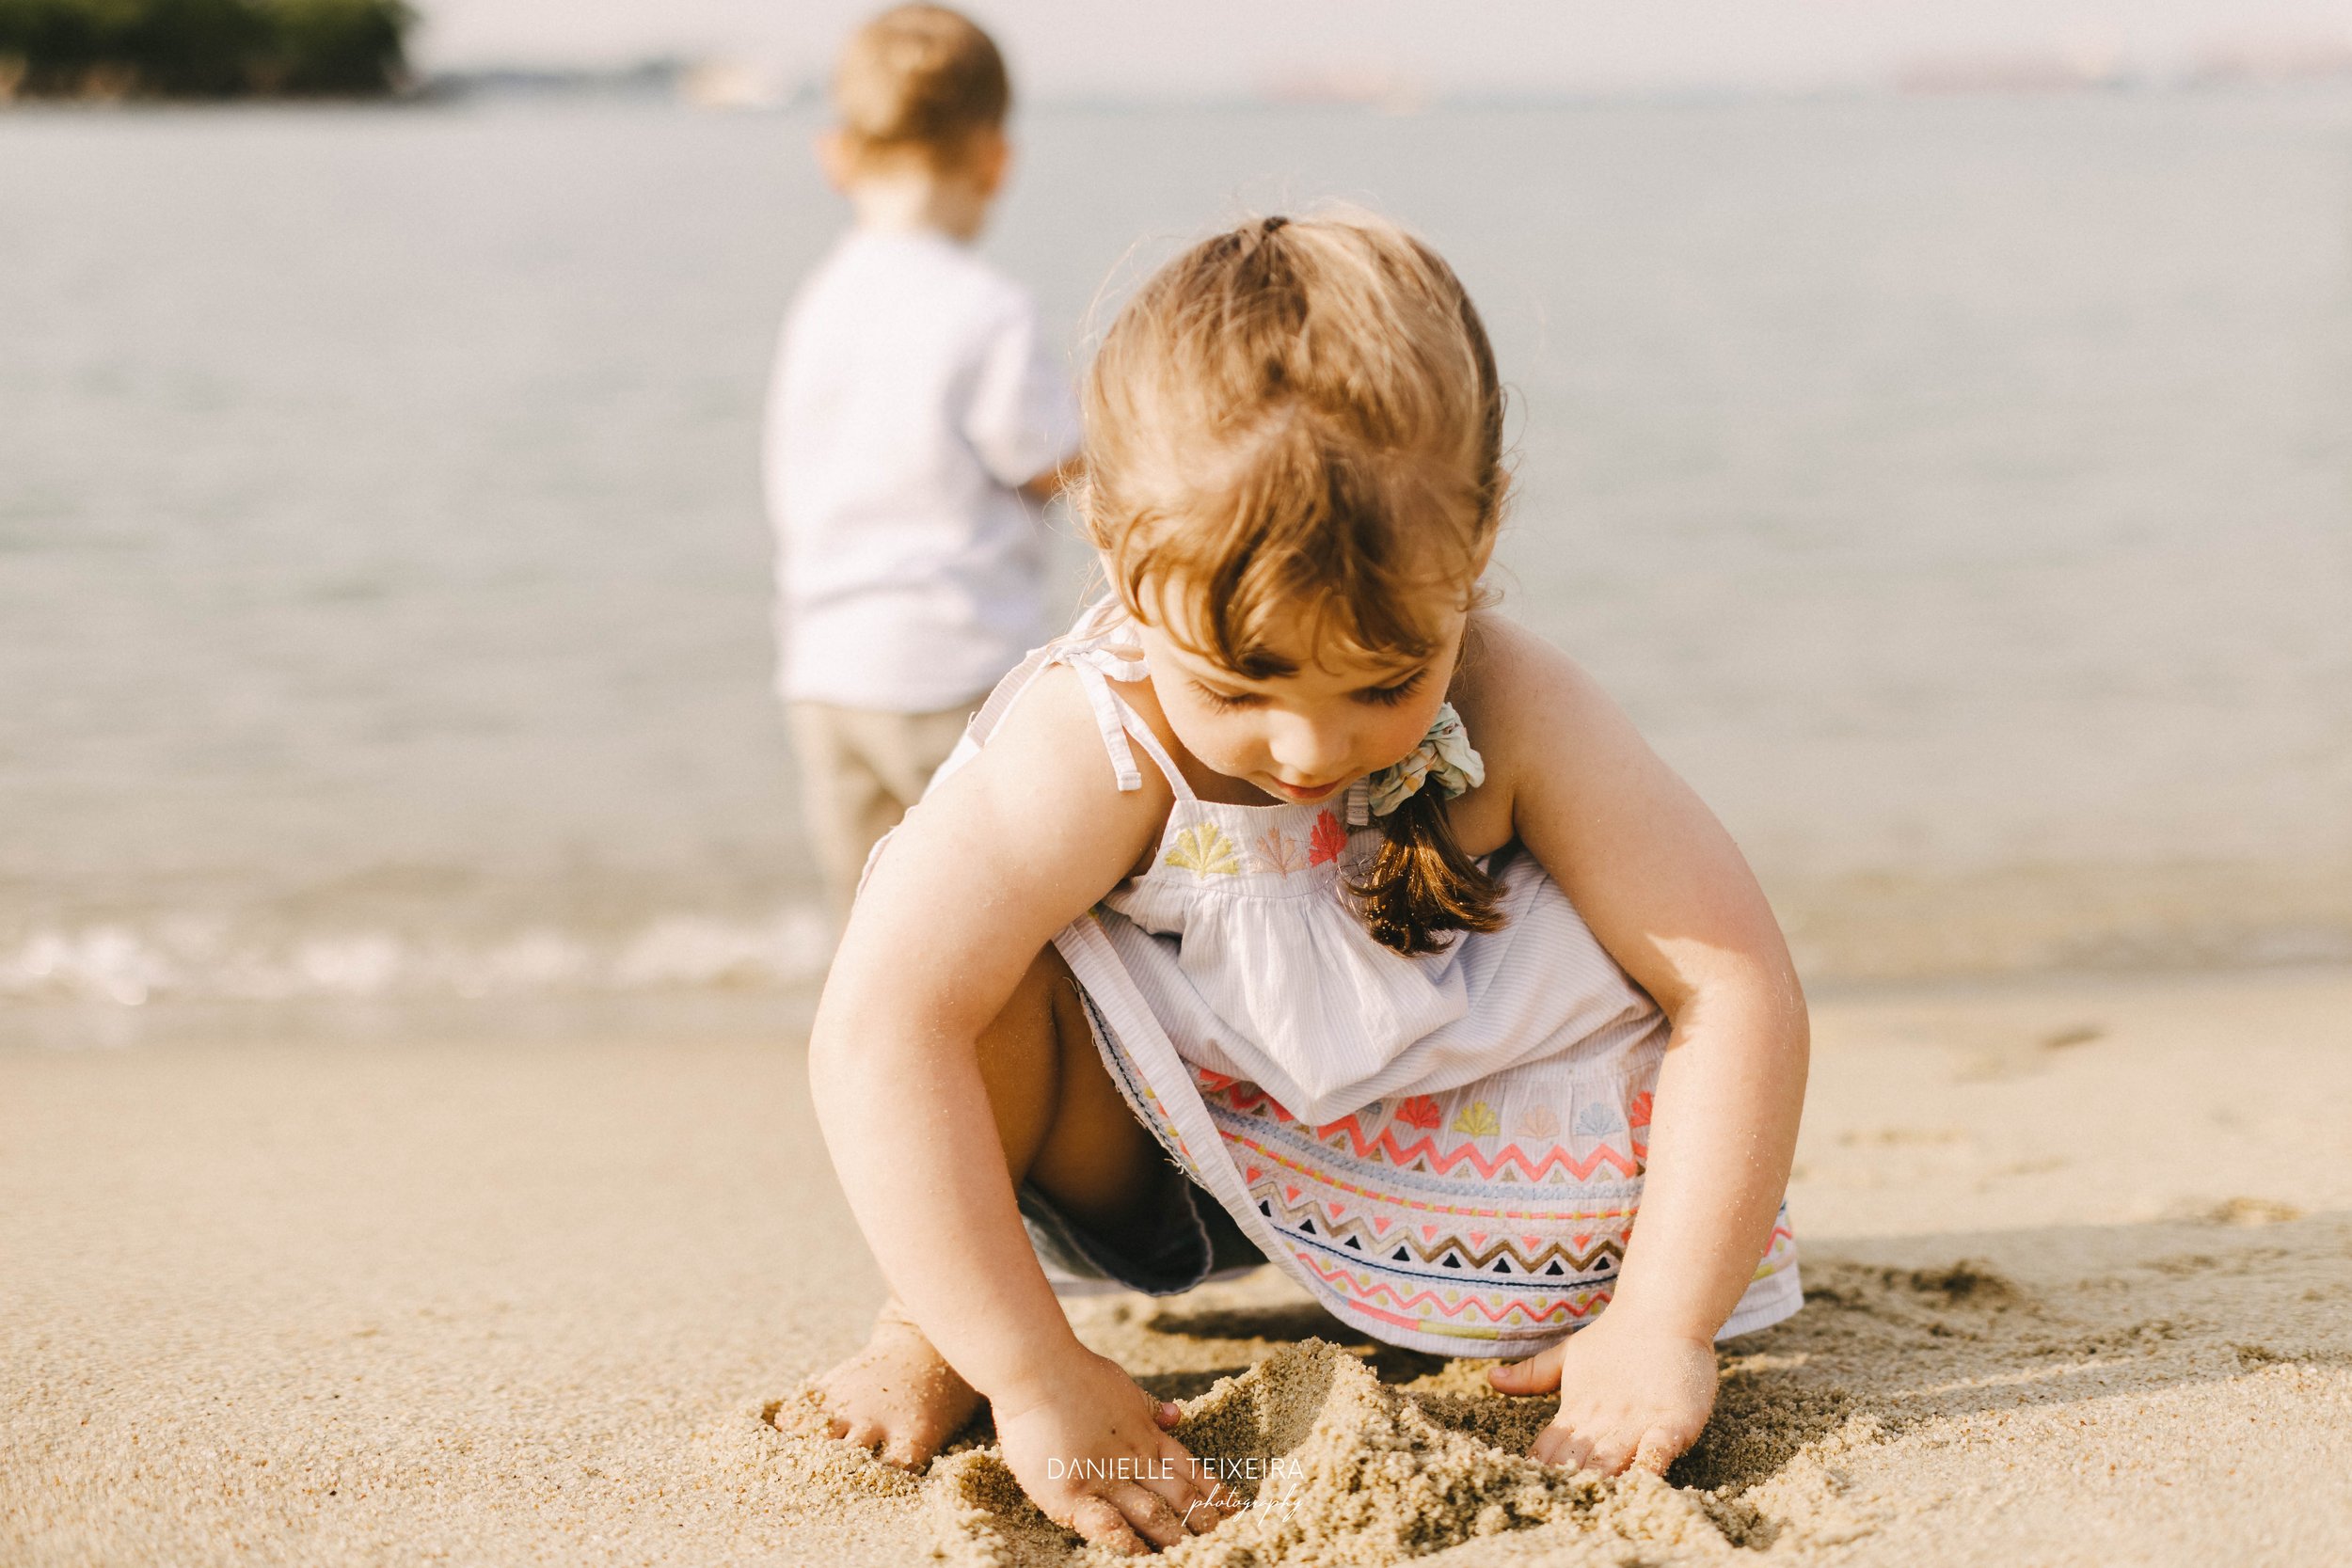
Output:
[[1224, 702], [1389, 696]]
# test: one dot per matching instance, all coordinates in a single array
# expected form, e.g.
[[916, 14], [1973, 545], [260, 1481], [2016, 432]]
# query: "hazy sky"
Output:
[[1122, 47]]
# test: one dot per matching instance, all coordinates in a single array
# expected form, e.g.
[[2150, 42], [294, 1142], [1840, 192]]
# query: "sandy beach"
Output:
[[2078, 1256]]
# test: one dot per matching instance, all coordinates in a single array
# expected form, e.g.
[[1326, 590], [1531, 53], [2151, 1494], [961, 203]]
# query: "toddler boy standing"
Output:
[[913, 423]]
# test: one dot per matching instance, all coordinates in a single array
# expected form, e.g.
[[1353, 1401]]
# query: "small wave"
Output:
[[202, 960]]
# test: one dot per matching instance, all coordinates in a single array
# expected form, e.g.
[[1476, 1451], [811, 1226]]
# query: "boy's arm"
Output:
[[1054, 481], [1667, 892], [1023, 419]]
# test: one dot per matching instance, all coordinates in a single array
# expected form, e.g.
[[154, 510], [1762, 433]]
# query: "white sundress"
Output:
[[1445, 1150]]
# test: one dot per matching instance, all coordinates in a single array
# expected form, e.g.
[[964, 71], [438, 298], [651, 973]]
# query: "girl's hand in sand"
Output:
[[1093, 1453], [1629, 1394]]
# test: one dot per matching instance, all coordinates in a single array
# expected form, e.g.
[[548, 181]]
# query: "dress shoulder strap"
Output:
[[1096, 650], [1119, 720]]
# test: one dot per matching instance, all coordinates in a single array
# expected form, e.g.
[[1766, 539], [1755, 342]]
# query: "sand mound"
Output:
[[1363, 1456], [1337, 1468]]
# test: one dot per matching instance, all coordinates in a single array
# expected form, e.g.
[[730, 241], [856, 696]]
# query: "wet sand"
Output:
[[2079, 1260]]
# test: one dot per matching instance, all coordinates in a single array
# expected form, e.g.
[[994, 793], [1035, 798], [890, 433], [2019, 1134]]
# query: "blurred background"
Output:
[[1934, 422]]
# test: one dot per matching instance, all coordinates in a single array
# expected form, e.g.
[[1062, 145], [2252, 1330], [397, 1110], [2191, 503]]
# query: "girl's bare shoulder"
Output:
[[1528, 704], [1043, 790], [1520, 688], [1497, 653], [999, 855]]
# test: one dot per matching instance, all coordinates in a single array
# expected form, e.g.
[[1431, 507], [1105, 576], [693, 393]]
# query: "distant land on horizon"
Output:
[[1389, 59], [1409, 52], [113, 50], [730, 83]]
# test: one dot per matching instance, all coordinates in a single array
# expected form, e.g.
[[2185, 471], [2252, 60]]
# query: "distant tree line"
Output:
[[202, 48]]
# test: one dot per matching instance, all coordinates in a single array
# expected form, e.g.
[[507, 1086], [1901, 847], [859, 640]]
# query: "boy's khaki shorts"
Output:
[[861, 768]]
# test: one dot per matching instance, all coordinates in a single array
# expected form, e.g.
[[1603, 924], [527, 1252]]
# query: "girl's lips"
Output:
[[1291, 792]]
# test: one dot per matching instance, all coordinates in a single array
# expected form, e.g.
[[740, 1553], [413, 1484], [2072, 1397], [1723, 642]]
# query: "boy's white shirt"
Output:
[[912, 399]]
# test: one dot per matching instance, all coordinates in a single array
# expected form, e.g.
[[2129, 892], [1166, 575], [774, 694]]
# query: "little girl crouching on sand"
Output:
[[1294, 907]]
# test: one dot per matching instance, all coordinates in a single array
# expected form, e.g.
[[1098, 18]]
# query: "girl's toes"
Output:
[[1658, 1450], [1610, 1456], [1563, 1446], [1538, 1375]]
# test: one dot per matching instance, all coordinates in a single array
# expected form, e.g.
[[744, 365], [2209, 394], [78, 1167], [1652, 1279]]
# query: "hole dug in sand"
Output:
[[1339, 1468]]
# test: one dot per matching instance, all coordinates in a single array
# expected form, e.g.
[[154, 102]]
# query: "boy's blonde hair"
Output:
[[918, 82], [1294, 428]]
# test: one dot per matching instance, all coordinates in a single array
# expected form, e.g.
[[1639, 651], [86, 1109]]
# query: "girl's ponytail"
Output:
[[1421, 885]]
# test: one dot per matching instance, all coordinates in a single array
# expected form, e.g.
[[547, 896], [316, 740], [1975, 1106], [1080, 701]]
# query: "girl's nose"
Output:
[[1306, 752]]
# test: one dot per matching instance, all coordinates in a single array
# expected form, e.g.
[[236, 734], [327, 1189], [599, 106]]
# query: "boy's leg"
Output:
[[861, 770], [1064, 1129], [841, 796], [906, 750]]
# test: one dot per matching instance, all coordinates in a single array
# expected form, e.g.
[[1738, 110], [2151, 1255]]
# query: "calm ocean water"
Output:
[[1959, 492]]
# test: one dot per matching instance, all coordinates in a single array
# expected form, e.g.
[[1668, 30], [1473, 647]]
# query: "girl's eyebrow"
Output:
[[1221, 683], [1209, 672], [1261, 667], [1234, 683]]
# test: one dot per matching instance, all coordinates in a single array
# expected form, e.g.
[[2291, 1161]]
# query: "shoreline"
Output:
[[767, 1009], [443, 947]]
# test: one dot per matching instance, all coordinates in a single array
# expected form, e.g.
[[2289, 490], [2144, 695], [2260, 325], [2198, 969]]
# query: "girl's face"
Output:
[[1309, 735]]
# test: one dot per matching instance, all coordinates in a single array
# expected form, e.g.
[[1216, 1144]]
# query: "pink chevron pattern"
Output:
[[1372, 1195], [1426, 1152], [1482, 1315], [1421, 1215], [1375, 1298]]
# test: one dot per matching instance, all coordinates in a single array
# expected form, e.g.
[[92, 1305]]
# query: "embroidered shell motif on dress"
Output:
[[1205, 851]]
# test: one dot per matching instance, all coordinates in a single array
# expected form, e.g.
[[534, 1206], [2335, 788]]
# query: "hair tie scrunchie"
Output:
[[1266, 230], [1444, 754]]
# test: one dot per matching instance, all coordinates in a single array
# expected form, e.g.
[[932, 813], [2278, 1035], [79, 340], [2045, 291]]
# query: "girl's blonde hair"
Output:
[[1294, 432]]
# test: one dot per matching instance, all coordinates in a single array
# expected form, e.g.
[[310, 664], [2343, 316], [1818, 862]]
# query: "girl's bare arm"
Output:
[[1006, 852], [1667, 892]]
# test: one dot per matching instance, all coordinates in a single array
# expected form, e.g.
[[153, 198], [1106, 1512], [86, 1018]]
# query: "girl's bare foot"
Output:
[[896, 1397]]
